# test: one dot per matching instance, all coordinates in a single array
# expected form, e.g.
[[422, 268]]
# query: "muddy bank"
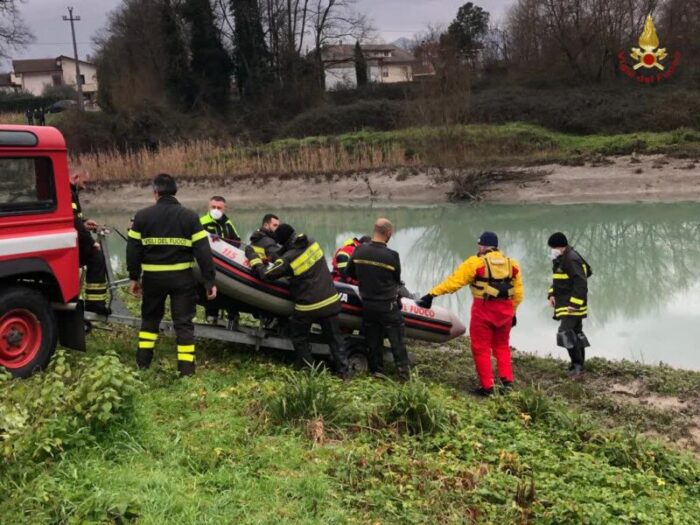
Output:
[[619, 179]]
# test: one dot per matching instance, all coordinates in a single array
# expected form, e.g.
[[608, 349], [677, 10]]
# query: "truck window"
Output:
[[26, 186]]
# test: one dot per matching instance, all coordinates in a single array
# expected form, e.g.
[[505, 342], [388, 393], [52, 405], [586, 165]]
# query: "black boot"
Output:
[[186, 368], [483, 392], [404, 374], [144, 358], [97, 308], [506, 386]]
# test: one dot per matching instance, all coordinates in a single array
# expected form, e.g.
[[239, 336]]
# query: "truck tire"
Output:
[[28, 331]]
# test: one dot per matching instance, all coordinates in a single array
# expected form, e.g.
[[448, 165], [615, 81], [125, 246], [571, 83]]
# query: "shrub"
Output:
[[415, 410], [536, 403], [305, 395]]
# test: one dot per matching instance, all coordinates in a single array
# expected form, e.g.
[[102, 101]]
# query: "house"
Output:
[[34, 75], [386, 63], [6, 84]]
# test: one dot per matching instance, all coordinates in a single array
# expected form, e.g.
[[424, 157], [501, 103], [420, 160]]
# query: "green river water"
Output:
[[644, 295]]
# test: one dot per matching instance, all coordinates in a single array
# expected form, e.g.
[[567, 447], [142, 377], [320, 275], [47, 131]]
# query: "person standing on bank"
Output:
[[217, 223], [497, 286], [377, 270], [568, 295], [164, 240], [312, 290]]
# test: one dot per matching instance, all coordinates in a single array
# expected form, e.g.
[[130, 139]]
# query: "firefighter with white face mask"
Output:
[[217, 223], [568, 295]]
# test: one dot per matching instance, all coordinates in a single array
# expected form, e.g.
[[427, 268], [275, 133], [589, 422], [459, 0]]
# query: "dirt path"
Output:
[[618, 179]]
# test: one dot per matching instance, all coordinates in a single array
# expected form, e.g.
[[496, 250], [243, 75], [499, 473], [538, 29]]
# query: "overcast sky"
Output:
[[393, 19]]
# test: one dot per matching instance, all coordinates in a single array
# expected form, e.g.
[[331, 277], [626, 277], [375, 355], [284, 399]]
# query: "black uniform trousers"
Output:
[[181, 287], [570, 336], [383, 319], [300, 328], [95, 276]]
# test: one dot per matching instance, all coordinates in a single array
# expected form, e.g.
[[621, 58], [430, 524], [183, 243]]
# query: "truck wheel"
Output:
[[27, 331]]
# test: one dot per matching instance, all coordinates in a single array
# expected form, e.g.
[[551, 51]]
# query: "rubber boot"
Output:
[[144, 358], [98, 308], [483, 392], [186, 368]]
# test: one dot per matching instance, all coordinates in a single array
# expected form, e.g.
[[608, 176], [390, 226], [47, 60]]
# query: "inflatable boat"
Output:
[[236, 282]]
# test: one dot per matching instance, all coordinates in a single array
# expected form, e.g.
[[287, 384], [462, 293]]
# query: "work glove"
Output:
[[515, 320], [426, 301]]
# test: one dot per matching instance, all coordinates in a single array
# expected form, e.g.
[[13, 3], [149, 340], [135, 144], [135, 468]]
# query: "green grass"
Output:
[[217, 448]]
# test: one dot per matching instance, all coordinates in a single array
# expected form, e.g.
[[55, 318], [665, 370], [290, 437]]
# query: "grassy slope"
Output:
[[209, 450]]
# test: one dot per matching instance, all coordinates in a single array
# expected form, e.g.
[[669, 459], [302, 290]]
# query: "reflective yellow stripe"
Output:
[[134, 235], [560, 276], [576, 300], [96, 286], [260, 251], [317, 306], [74, 205], [186, 357], [147, 344], [96, 296], [255, 262], [199, 235], [185, 349], [306, 260], [551, 290], [166, 267], [342, 265], [149, 336], [166, 241], [375, 263]]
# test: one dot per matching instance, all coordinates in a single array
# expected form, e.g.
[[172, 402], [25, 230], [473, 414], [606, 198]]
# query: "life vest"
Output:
[[496, 281]]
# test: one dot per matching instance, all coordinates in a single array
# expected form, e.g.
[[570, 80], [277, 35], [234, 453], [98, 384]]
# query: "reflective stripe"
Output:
[[166, 267], [342, 265], [260, 251], [166, 241], [96, 296], [185, 349], [199, 236], [306, 260], [560, 276], [74, 205], [96, 286], [134, 235], [255, 262], [149, 336], [186, 357], [147, 344], [576, 300], [317, 306], [375, 263]]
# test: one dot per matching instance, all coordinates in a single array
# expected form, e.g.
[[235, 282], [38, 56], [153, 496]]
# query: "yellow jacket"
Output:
[[474, 267]]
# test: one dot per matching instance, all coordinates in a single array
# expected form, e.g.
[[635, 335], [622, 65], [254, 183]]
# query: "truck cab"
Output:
[[39, 262]]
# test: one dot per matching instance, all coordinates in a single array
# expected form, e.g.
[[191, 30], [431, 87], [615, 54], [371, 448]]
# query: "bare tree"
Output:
[[14, 33]]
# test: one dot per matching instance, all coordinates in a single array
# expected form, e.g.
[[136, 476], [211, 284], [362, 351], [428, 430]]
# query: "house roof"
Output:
[[41, 65], [346, 52]]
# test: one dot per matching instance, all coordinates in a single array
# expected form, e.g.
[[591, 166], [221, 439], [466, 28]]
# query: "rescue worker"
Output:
[[89, 252], [496, 284], [342, 258], [163, 242], [312, 290], [568, 295], [377, 269], [262, 240], [217, 223]]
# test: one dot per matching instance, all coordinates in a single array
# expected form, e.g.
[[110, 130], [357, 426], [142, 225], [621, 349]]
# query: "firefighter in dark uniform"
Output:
[[262, 240], [342, 258], [89, 251], [216, 222], [163, 242], [313, 292], [568, 296], [378, 271]]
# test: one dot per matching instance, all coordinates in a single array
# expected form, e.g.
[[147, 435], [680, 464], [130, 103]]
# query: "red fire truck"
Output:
[[39, 269]]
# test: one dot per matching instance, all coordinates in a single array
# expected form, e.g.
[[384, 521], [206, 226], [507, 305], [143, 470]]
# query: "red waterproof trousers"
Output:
[[489, 330]]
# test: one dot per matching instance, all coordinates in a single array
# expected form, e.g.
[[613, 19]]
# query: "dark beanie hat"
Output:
[[558, 240], [488, 239], [283, 233]]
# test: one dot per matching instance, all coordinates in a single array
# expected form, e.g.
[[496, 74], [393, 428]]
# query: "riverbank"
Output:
[[248, 441], [629, 178]]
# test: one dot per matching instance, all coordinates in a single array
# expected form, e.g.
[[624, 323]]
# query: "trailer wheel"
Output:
[[357, 363], [28, 331]]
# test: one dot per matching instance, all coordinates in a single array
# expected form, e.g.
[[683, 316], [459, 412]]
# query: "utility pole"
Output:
[[70, 18]]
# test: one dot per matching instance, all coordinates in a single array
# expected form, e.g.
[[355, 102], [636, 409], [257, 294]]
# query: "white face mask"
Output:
[[554, 253], [216, 214]]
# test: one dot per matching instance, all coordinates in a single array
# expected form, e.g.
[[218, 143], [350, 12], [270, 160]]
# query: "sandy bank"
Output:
[[620, 179]]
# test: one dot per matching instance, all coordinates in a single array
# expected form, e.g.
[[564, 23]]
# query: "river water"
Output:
[[644, 295]]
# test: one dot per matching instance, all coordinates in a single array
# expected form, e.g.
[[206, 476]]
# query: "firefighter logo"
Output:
[[650, 65], [650, 55]]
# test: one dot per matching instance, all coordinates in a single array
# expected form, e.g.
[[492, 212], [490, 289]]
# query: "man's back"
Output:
[[378, 269]]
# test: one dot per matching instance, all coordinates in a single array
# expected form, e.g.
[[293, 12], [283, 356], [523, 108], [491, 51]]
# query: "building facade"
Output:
[[34, 75]]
